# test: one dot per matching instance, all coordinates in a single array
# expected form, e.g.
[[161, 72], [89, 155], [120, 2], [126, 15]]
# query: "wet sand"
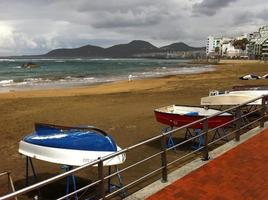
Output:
[[123, 109]]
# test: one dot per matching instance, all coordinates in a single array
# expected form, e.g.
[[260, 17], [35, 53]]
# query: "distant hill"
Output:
[[180, 46], [130, 49], [84, 51], [136, 47]]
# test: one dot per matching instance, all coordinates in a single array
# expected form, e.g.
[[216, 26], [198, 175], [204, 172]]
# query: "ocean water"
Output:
[[58, 73]]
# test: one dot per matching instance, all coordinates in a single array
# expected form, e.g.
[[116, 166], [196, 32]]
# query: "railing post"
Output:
[[164, 157], [263, 100], [101, 191], [205, 131], [11, 183], [238, 123]]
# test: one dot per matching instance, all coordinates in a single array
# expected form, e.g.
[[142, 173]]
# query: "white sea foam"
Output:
[[5, 83], [6, 60], [88, 78]]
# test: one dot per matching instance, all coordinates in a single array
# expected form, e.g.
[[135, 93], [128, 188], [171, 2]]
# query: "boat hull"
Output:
[[229, 99], [67, 156], [178, 120], [249, 87], [74, 146]]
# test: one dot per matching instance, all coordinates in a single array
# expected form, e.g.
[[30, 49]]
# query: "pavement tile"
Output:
[[241, 173]]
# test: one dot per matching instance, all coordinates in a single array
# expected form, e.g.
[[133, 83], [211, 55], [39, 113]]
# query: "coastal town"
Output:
[[247, 46]]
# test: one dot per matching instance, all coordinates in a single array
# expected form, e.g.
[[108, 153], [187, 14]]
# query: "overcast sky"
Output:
[[37, 26]]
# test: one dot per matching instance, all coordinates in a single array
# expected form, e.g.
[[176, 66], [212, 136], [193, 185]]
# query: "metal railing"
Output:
[[10, 181], [237, 125]]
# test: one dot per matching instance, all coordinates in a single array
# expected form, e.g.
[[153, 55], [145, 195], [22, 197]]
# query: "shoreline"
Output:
[[39, 80], [112, 87], [136, 85], [68, 90], [92, 87]]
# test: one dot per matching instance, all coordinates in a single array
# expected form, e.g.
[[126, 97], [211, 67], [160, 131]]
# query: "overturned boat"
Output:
[[177, 116], [74, 146], [249, 87], [234, 97], [229, 99], [250, 77]]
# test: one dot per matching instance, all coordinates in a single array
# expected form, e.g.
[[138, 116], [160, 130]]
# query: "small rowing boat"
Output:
[[229, 99], [234, 97], [249, 87], [74, 146], [177, 116]]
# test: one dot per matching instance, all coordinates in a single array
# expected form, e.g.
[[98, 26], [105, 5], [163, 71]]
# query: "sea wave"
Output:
[[40, 82], [17, 67], [6, 81], [7, 60], [164, 71], [66, 75]]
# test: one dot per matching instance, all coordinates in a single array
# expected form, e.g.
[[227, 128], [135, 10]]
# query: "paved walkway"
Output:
[[241, 173]]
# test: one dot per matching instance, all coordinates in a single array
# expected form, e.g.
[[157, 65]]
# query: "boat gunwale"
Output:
[[225, 114]]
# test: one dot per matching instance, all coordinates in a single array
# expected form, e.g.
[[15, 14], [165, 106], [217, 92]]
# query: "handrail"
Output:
[[95, 162]]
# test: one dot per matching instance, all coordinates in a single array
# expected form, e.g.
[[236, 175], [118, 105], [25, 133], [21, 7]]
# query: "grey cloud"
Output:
[[248, 17], [135, 18], [37, 26], [263, 14], [128, 13], [210, 7], [243, 18]]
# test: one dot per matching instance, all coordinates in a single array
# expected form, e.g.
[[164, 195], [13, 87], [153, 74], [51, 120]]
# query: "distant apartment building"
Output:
[[212, 44], [228, 49], [225, 47], [258, 45], [252, 46]]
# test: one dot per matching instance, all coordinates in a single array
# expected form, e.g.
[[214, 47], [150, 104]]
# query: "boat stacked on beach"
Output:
[[74, 146], [177, 116], [238, 95]]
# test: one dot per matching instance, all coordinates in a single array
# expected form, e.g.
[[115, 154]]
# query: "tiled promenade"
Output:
[[239, 174]]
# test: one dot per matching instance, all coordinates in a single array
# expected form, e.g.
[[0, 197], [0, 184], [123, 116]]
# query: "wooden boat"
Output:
[[177, 116], [74, 146]]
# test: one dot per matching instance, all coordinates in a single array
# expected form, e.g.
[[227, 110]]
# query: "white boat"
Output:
[[72, 146], [249, 87], [256, 93], [230, 99]]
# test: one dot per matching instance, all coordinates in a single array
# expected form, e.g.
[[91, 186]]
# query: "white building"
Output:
[[258, 46], [255, 45], [212, 44], [229, 51]]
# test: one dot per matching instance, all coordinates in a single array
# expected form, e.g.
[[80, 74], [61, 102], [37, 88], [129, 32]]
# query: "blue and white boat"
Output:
[[73, 146]]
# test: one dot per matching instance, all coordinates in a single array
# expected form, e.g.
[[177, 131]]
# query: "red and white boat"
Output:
[[177, 116]]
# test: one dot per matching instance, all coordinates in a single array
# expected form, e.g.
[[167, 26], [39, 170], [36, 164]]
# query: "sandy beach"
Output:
[[123, 109]]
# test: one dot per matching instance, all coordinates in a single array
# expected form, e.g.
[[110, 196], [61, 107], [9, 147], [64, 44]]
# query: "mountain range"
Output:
[[136, 48]]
